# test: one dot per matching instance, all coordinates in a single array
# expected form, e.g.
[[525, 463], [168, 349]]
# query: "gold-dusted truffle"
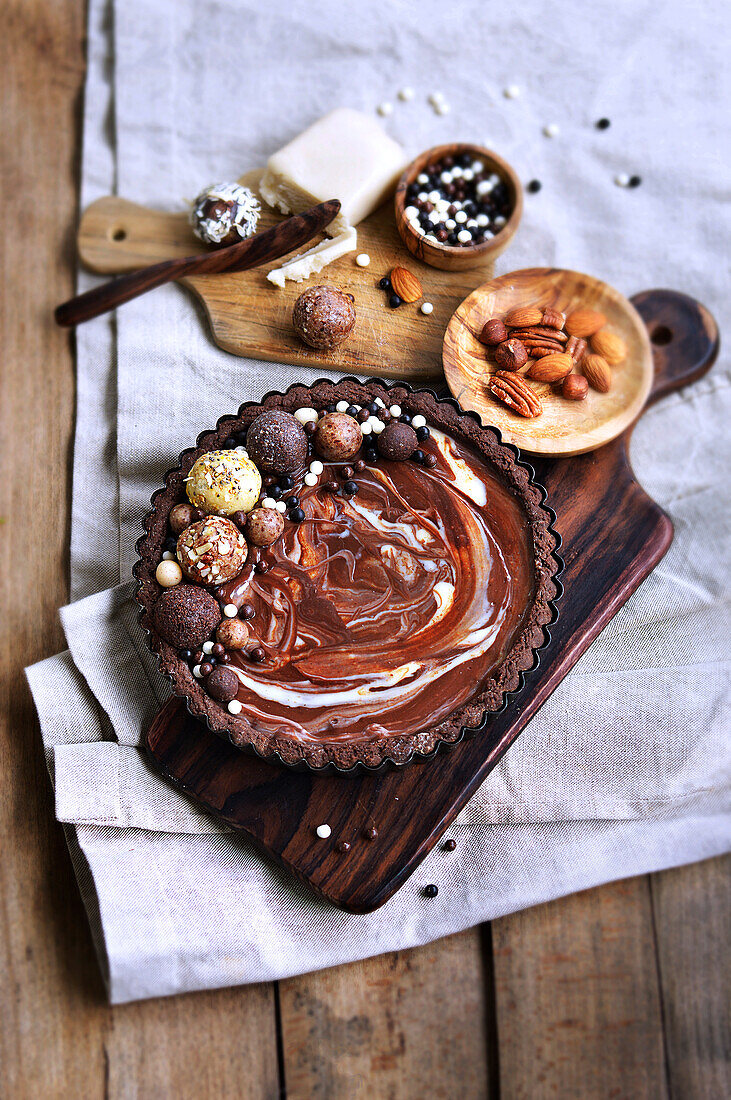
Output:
[[223, 482]]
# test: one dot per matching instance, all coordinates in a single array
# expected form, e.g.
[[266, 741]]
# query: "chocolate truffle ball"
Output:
[[232, 633], [222, 684], [185, 616], [225, 213], [277, 442], [223, 482], [338, 437], [264, 526], [181, 516], [212, 551], [397, 440], [323, 317]]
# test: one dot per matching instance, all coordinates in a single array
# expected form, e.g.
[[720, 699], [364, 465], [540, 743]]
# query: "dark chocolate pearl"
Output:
[[276, 492], [418, 456], [450, 845], [286, 482], [452, 239], [442, 235], [371, 456], [352, 411], [350, 488], [262, 566], [422, 433], [394, 301], [206, 668], [240, 437], [185, 654], [296, 515], [225, 658], [405, 418], [345, 473], [534, 186], [634, 181], [371, 832], [310, 427], [268, 480], [293, 502], [330, 486], [342, 846], [246, 611], [218, 650], [359, 466], [230, 443], [239, 518], [431, 890], [257, 655], [429, 461], [384, 416], [330, 408], [428, 207], [373, 408], [602, 124], [385, 283], [199, 657], [448, 163], [363, 416], [170, 545]]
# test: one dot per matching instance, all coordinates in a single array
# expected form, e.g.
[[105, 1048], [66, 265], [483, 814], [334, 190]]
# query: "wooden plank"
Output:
[[578, 1005], [408, 1024], [692, 907]]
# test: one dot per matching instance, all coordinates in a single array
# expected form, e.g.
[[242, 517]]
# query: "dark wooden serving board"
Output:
[[613, 536]]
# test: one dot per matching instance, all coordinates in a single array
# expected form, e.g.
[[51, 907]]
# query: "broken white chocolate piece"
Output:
[[309, 263], [345, 155]]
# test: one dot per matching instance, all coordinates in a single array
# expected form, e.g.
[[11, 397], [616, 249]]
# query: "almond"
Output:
[[584, 322], [406, 285], [597, 373], [551, 368], [609, 346], [522, 318]]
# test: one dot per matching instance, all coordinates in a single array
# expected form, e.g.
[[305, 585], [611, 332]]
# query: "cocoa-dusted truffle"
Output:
[[222, 684], [264, 526], [397, 440], [232, 633], [337, 437], [323, 317], [223, 482], [212, 551], [181, 516], [185, 616], [276, 442]]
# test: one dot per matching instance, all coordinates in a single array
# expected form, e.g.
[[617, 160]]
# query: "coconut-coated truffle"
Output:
[[212, 551], [264, 526], [337, 437], [277, 442], [223, 482], [222, 684], [185, 616], [225, 213], [397, 440], [323, 317]]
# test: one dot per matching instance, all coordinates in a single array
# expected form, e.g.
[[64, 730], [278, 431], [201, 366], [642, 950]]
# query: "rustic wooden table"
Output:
[[618, 992]]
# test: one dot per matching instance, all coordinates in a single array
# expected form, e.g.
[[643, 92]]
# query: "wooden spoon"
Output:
[[260, 249]]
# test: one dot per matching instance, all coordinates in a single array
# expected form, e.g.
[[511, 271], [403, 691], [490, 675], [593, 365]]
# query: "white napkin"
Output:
[[626, 769]]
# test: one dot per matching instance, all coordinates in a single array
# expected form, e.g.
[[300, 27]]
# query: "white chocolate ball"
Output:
[[223, 482], [168, 574]]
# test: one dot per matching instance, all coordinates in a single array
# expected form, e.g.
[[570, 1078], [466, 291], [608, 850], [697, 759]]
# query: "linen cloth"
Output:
[[626, 769]]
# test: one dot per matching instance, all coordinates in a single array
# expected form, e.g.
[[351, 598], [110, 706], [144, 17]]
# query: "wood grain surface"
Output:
[[251, 317], [58, 1037], [564, 427]]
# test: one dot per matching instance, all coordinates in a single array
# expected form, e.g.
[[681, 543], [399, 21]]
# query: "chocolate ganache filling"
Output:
[[381, 613]]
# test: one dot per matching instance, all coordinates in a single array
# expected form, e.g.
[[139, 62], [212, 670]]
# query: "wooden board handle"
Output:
[[684, 338], [116, 236]]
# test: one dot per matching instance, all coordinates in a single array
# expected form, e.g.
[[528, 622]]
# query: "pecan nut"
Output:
[[552, 318], [576, 348], [540, 330], [515, 393]]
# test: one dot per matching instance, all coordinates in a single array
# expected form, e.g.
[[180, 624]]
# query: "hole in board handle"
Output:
[[119, 234], [661, 336]]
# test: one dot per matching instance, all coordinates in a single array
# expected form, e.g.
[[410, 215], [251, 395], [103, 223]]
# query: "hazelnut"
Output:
[[574, 387], [493, 333], [511, 355]]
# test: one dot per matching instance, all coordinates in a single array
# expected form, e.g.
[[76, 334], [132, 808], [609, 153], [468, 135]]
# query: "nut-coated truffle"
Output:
[[277, 442], [397, 441], [212, 551], [232, 633], [264, 526], [338, 437], [223, 482], [222, 684], [185, 616], [323, 317]]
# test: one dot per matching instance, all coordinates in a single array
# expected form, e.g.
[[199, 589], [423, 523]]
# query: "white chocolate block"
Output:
[[310, 262], [345, 155]]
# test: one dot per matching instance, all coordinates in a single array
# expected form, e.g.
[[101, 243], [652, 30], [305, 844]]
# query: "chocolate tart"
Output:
[[371, 639]]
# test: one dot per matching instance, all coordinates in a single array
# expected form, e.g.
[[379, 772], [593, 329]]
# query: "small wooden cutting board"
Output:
[[251, 317]]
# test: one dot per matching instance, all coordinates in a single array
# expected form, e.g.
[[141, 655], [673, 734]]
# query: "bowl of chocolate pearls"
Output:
[[458, 206]]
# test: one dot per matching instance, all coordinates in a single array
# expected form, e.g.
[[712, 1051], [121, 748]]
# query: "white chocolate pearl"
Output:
[[426, 307], [366, 428], [442, 108], [362, 259], [281, 506], [395, 410], [436, 97], [411, 212], [269, 502], [435, 196], [385, 109], [168, 556], [235, 707], [512, 91], [482, 219], [431, 237], [207, 647], [460, 216], [551, 130], [457, 172], [377, 425], [197, 671], [341, 406], [316, 467], [323, 831], [450, 223], [305, 414], [380, 402], [168, 574], [622, 179], [419, 421], [499, 221], [464, 236], [310, 479], [422, 178], [230, 610], [405, 94]]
